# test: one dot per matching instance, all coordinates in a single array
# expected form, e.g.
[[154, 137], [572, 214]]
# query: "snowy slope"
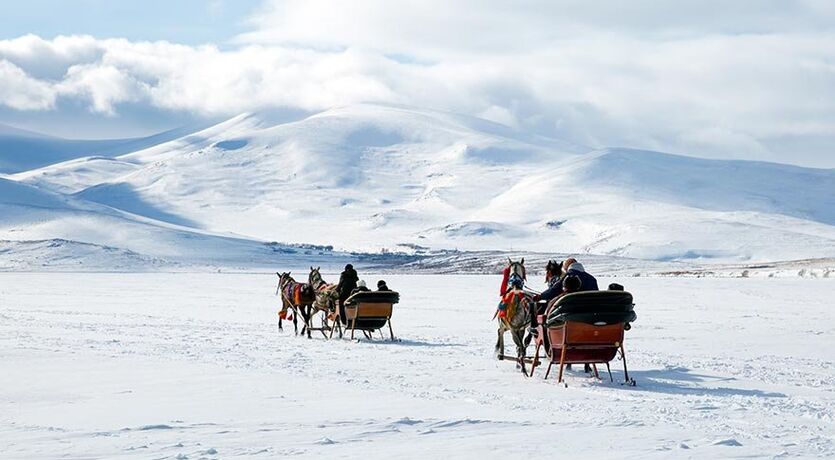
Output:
[[381, 173], [46, 230], [22, 150], [661, 206], [711, 184], [367, 176]]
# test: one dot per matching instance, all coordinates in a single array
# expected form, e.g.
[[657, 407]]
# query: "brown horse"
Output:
[[516, 321], [553, 270], [296, 296]]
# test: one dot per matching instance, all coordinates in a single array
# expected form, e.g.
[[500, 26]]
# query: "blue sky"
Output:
[[749, 79], [189, 22]]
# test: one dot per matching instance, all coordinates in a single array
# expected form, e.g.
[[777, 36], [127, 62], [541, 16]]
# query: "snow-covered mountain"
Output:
[[23, 150], [367, 177], [42, 229]]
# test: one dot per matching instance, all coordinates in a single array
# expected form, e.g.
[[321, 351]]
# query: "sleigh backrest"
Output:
[[369, 310], [592, 307]]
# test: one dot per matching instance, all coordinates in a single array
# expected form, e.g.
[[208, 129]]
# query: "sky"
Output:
[[746, 79]]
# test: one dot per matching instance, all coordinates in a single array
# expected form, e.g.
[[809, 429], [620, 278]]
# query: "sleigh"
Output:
[[367, 311], [585, 328]]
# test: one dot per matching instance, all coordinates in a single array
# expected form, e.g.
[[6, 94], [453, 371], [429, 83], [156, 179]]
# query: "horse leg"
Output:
[[311, 313], [295, 321], [528, 339], [500, 344], [306, 312], [325, 323], [521, 349], [283, 309]]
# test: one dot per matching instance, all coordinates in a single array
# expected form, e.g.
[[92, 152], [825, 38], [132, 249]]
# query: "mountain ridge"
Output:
[[368, 177]]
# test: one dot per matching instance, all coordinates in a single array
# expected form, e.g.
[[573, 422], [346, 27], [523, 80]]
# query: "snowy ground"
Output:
[[159, 365]]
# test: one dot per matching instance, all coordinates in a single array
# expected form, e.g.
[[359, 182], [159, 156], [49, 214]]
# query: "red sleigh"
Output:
[[585, 328]]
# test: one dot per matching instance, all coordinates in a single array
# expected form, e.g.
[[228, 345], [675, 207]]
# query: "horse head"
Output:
[[517, 273], [552, 269], [315, 277], [517, 268], [284, 278]]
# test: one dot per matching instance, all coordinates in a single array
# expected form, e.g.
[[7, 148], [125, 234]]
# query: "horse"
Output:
[[296, 296], [516, 314], [553, 270], [326, 294]]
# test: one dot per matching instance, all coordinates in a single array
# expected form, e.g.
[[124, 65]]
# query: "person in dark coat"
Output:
[[553, 275], [361, 287], [381, 286], [571, 283], [347, 282], [570, 268], [553, 272]]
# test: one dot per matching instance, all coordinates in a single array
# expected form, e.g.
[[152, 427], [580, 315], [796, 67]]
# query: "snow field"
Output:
[[157, 365]]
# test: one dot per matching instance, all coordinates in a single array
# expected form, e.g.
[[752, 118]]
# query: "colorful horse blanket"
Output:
[[293, 293], [511, 300]]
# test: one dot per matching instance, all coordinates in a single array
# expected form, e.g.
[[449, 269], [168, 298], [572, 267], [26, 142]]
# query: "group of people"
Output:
[[350, 283], [563, 278]]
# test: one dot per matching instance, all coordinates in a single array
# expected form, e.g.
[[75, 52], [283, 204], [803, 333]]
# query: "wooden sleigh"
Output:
[[585, 328], [367, 311]]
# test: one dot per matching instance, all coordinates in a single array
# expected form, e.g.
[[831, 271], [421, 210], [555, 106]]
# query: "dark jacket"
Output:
[[347, 283], [588, 283], [360, 289], [554, 280]]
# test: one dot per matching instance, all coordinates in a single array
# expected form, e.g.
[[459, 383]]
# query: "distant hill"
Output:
[[370, 176], [22, 150]]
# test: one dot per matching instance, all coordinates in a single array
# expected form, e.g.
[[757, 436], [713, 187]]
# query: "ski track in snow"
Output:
[[192, 366]]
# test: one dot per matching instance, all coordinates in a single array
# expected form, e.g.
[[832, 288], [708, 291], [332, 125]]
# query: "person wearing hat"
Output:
[[361, 287], [381, 286], [570, 268], [347, 282]]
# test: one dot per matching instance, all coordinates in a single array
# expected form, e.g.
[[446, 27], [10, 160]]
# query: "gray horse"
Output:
[[327, 297], [517, 316]]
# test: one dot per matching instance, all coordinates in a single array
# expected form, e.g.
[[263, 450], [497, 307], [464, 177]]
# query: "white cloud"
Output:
[[440, 28], [22, 92], [50, 59], [708, 78], [104, 85]]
